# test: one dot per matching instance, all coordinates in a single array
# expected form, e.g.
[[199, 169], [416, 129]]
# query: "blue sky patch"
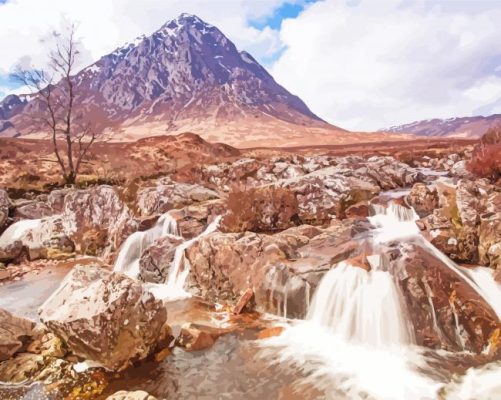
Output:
[[287, 10]]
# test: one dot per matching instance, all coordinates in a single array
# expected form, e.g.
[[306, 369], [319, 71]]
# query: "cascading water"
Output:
[[361, 306], [358, 340], [128, 258], [180, 268]]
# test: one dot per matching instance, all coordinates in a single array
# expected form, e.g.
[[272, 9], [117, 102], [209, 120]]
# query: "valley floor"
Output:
[[181, 269]]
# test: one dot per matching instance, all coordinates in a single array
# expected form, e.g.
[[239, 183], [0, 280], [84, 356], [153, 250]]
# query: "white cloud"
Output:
[[107, 24], [386, 62]]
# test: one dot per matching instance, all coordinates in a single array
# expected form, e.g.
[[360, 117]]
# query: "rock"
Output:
[[193, 339], [264, 209], [80, 311], [423, 199], [32, 210], [270, 332], [156, 260], [96, 220], [489, 233], [460, 318], [15, 333], [24, 366], [168, 195], [12, 252], [283, 268], [243, 301], [136, 395], [5, 205], [358, 210], [192, 220]]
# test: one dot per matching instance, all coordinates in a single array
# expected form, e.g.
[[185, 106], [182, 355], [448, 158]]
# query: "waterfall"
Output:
[[361, 306], [394, 222], [180, 268], [19, 231], [127, 261]]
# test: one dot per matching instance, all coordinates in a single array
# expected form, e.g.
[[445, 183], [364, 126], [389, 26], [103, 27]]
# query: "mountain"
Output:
[[186, 76], [465, 127]]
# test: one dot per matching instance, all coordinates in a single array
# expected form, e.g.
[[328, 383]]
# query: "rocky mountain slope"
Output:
[[186, 77], [465, 127]]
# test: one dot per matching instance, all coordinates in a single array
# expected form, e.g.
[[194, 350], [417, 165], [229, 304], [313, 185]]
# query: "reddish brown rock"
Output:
[[156, 260], [32, 210], [15, 334], [100, 214], [435, 292], [423, 199], [282, 269], [263, 209], [358, 210], [168, 195], [270, 332], [193, 339], [243, 301], [80, 311]]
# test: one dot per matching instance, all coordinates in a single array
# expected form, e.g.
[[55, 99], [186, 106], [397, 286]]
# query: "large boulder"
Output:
[[105, 317], [156, 260], [281, 269], [97, 220], [15, 333], [423, 199], [263, 209], [446, 311], [167, 195]]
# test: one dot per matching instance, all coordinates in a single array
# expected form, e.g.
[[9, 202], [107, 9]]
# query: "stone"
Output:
[[97, 220], [12, 252], [243, 301], [281, 268], [15, 334], [135, 395], [193, 339], [105, 317], [263, 209], [168, 195], [270, 332], [358, 210], [156, 260], [423, 199], [460, 318], [32, 210]]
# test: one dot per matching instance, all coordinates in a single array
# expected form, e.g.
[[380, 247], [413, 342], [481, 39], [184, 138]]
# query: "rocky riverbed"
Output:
[[281, 277]]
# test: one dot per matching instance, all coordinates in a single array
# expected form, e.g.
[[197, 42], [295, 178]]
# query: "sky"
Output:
[[359, 64]]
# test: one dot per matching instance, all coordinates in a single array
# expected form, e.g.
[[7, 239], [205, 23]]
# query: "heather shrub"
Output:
[[486, 158]]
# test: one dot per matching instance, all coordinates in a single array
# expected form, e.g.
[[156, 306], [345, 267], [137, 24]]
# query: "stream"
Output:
[[357, 341]]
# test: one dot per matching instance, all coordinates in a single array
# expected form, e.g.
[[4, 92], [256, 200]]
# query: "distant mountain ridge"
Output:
[[463, 127], [186, 76]]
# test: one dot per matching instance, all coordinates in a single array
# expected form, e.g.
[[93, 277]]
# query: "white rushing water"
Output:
[[358, 340], [128, 258], [362, 306], [180, 268]]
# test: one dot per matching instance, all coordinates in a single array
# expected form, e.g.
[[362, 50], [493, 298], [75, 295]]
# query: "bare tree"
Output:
[[54, 90]]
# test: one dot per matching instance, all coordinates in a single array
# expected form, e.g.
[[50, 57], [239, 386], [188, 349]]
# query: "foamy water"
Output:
[[127, 261]]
